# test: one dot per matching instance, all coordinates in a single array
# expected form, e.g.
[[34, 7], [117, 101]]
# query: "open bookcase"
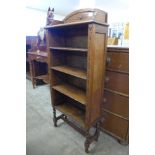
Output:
[[77, 55]]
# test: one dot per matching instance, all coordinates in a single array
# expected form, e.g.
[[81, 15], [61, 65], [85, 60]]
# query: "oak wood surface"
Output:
[[77, 59], [116, 125], [78, 23], [72, 92], [87, 14], [115, 100], [40, 53], [95, 73], [71, 71], [118, 61], [45, 78], [38, 66], [69, 49], [116, 104], [117, 82], [72, 111]]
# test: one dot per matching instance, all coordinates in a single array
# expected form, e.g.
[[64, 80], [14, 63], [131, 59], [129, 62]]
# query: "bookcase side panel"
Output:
[[95, 72]]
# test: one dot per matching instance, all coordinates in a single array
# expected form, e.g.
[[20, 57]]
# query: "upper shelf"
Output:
[[71, 71], [74, 24], [69, 49]]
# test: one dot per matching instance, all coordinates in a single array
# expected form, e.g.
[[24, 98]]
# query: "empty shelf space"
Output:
[[72, 111], [69, 49], [71, 71], [72, 92]]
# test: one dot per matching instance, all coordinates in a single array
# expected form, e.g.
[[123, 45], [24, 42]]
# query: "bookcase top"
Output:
[[83, 16]]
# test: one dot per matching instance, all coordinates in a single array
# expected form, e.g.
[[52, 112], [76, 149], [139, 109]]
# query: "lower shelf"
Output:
[[72, 92], [73, 112], [45, 78]]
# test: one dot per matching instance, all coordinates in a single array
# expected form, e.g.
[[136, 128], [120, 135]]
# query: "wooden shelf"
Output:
[[69, 49], [75, 24], [72, 111], [41, 76], [45, 78], [71, 71], [72, 92]]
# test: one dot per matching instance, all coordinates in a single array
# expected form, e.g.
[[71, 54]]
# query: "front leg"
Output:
[[87, 141], [54, 117], [97, 132], [90, 138]]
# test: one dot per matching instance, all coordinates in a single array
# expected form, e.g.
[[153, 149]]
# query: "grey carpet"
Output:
[[43, 138]]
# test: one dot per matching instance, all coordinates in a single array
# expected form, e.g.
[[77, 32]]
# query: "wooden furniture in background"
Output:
[[38, 66], [77, 58], [38, 59], [116, 94], [30, 43]]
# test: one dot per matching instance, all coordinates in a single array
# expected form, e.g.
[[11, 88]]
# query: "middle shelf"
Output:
[[71, 71], [69, 49], [72, 92]]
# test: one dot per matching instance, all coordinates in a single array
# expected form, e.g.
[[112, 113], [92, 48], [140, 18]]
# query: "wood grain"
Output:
[[116, 104], [72, 92], [75, 113], [76, 23], [71, 71], [118, 61], [69, 49], [116, 97], [117, 82], [115, 125], [95, 73]]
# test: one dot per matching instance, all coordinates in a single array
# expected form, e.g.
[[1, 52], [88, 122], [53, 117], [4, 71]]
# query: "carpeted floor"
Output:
[[44, 139]]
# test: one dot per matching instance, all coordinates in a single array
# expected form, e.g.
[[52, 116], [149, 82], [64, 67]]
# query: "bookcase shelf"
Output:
[[71, 71], [77, 58], [76, 113], [72, 92], [76, 23], [69, 49]]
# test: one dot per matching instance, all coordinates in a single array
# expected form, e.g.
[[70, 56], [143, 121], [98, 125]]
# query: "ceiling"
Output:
[[115, 8]]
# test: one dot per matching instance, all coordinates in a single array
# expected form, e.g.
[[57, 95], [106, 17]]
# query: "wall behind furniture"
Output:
[[35, 19]]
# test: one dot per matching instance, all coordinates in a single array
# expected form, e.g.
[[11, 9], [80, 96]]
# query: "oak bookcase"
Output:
[[77, 58]]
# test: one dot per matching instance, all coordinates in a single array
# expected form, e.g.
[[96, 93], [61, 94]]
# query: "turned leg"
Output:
[[97, 132], [32, 72], [54, 117], [34, 82], [91, 138], [123, 142], [87, 141], [65, 117]]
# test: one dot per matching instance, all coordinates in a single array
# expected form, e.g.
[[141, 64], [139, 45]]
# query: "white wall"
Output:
[[118, 11], [36, 19]]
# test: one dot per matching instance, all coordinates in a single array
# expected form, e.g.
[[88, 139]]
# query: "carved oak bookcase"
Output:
[[77, 56]]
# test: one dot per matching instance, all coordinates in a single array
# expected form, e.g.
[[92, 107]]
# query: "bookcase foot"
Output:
[[91, 138], [54, 117], [97, 132], [87, 142], [123, 142]]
